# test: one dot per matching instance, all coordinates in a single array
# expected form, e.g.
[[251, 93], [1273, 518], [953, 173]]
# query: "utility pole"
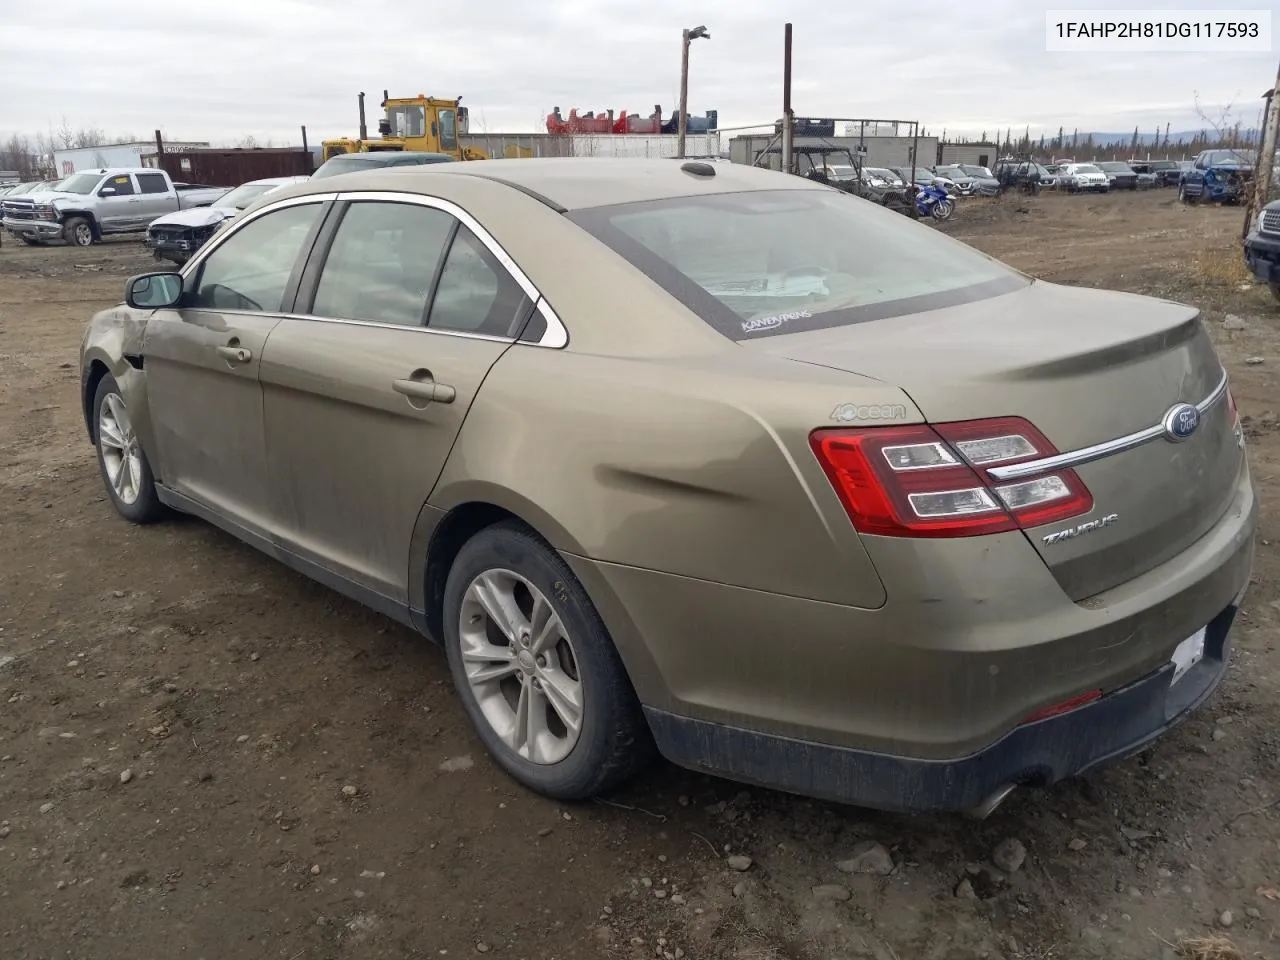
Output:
[[683, 123], [788, 118], [1267, 155]]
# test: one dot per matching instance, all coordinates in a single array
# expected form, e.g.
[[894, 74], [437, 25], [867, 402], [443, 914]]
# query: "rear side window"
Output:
[[768, 262], [382, 262], [153, 183], [476, 294]]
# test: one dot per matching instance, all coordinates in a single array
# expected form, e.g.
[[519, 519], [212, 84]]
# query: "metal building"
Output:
[[67, 162]]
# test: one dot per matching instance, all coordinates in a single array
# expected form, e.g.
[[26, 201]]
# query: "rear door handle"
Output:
[[235, 354], [425, 390]]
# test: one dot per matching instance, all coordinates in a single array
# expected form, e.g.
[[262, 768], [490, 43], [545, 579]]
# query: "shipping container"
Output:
[[230, 167]]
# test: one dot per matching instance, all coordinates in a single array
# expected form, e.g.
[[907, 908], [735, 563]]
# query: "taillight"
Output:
[[933, 481]]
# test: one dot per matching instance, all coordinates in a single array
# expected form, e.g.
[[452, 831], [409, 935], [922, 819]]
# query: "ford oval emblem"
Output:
[[1181, 422]]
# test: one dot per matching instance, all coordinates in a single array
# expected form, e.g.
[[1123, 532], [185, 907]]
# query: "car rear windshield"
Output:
[[784, 261]]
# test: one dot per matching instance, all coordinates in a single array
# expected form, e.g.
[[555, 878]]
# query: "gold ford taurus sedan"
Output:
[[704, 458]]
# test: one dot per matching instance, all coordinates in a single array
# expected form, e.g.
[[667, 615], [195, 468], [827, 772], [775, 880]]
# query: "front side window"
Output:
[[122, 185], [251, 269], [476, 294], [382, 262], [766, 262], [153, 183]]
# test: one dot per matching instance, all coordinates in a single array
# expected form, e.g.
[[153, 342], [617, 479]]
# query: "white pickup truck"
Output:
[[87, 206]]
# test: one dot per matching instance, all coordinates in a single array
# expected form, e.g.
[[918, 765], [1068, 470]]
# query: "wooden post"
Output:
[[788, 119], [159, 144], [306, 149], [1266, 156]]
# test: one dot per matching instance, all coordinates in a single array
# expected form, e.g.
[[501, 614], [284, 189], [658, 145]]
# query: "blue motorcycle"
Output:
[[934, 202]]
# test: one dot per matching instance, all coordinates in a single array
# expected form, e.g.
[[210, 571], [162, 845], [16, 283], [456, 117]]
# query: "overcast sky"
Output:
[[228, 69]]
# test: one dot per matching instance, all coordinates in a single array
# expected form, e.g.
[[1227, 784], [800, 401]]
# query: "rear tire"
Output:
[[78, 231], [505, 590]]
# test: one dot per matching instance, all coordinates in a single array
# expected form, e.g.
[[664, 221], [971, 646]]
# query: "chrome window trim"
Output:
[[556, 335], [401, 326], [1098, 451], [240, 223]]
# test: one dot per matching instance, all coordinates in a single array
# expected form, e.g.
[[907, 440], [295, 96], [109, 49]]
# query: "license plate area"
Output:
[[1187, 654]]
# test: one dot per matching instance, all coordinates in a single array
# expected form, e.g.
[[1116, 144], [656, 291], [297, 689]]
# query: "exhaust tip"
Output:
[[989, 805]]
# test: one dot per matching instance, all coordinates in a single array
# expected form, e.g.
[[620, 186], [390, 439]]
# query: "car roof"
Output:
[[571, 183]]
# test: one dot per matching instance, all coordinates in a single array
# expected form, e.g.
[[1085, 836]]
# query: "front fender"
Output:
[[113, 344]]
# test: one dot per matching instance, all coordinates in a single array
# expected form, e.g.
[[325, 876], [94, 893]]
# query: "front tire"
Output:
[[536, 670], [943, 209], [78, 231], [121, 461]]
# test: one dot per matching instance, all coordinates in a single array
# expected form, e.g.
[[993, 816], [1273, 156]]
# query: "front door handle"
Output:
[[235, 354], [425, 389]]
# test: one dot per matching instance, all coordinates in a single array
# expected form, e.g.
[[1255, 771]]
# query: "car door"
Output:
[[118, 204], [157, 196], [202, 362], [403, 311]]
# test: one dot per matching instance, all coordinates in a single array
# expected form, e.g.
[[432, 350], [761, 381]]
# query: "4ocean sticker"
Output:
[[756, 324]]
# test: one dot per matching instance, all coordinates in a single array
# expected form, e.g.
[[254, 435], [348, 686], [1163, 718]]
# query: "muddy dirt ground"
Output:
[[180, 719]]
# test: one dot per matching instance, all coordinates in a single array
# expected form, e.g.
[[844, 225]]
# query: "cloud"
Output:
[[223, 71]]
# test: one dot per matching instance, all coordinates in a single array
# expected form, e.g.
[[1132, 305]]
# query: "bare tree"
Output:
[[89, 137]]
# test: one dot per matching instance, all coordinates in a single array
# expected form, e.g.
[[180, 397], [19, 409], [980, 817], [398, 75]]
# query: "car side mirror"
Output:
[[153, 291], [107, 192]]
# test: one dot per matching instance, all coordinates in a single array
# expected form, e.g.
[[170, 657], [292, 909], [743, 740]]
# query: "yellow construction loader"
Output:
[[419, 124]]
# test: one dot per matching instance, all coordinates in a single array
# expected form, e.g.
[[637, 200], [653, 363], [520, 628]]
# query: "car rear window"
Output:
[[767, 262]]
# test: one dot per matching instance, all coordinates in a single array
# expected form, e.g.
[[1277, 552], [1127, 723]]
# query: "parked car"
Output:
[[177, 236], [355, 162], [1167, 172], [1024, 175], [1218, 176], [1157, 173], [886, 188], [737, 496], [985, 183], [889, 176], [1262, 248], [87, 206], [924, 177], [840, 172], [1120, 176], [1083, 177], [965, 185]]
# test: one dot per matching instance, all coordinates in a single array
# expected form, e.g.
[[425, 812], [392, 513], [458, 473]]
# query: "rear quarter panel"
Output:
[[699, 468]]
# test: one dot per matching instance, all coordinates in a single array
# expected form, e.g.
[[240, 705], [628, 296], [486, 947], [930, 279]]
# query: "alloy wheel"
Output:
[[520, 665], [83, 235], [121, 455]]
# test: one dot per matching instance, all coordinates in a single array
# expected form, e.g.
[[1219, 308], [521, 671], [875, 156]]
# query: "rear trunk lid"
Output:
[[1085, 367]]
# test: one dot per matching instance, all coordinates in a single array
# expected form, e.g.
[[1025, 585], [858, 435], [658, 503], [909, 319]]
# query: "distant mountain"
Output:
[[1146, 139]]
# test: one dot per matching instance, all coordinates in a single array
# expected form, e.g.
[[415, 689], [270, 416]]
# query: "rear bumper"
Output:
[[918, 704], [1037, 754]]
